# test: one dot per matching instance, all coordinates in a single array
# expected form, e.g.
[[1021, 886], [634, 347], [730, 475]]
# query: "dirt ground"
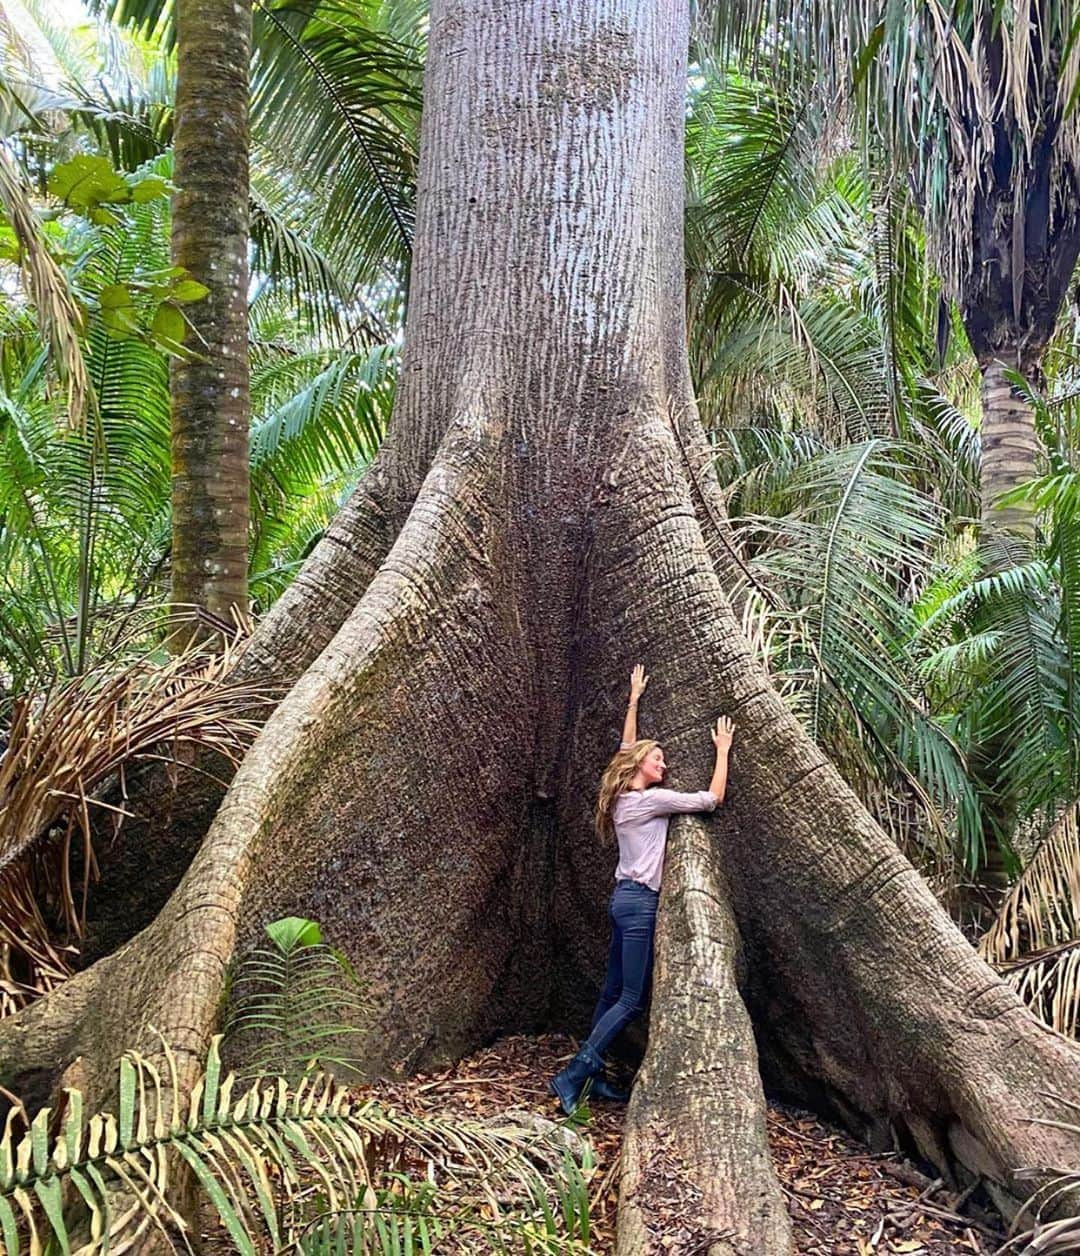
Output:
[[843, 1199]]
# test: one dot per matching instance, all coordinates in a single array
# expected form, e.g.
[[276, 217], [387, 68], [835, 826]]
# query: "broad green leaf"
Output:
[[86, 181], [169, 326], [150, 189], [293, 932], [189, 290]]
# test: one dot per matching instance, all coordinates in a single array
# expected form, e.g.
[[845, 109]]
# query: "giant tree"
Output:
[[210, 385], [541, 515]]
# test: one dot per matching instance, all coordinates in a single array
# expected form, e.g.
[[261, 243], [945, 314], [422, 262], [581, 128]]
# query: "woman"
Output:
[[633, 810]]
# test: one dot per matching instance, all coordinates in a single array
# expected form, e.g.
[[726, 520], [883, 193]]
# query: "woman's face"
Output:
[[653, 766]]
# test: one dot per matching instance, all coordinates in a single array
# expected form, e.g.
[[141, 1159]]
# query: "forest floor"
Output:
[[843, 1199]]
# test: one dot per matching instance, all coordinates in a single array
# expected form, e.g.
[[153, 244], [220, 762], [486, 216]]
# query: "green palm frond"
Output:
[[809, 299], [949, 90], [258, 1157], [332, 93], [320, 414], [845, 541], [293, 1005], [321, 419]]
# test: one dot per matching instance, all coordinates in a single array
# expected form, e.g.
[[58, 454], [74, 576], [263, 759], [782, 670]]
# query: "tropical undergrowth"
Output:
[[302, 1168], [843, 403]]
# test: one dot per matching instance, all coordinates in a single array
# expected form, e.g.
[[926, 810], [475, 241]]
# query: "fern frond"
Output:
[[257, 1157]]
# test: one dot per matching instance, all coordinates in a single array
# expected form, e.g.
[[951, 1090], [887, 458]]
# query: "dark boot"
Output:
[[601, 1088], [569, 1085]]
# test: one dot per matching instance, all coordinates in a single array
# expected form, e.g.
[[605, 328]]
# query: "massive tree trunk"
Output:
[[540, 518], [210, 394]]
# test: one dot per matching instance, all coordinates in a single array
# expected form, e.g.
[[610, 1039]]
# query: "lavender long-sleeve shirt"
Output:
[[640, 817]]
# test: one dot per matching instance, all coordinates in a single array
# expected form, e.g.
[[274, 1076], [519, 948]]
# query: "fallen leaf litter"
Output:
[[843, 1199]]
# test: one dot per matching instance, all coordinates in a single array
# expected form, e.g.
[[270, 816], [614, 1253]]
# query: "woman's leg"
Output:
[[634, 910], [613, 982]]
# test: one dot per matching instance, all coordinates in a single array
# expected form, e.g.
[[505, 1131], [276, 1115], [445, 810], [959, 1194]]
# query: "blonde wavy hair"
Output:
[[616, 780]]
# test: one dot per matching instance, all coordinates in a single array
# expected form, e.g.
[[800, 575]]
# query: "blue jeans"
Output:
[[630, 960]]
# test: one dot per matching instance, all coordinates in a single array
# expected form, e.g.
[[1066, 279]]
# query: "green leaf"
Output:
[[39, 1139], [211, 1078], [93, 1204], [87, 181], [127, 1101], [150, 189], [48, 1192], [9, 244], [237, 1231], [869, 52], [292, 932], [9, 1229], [114, 296], [73, 1124], [169, 326], [118, 311], [189, 290]]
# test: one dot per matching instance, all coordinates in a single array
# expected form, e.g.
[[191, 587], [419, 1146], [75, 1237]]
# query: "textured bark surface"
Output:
[[210, 393], [1010, 452], [700, 1077], [541, 518], [171, 807]]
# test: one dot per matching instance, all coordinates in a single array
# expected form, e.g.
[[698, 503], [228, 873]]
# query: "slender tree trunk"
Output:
[[543, 518], [1010, 453], [210, 392]]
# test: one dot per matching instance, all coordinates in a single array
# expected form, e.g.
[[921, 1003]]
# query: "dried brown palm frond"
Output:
[[1042, 910], [1039, 1226], [59, 318], [1049, 983], [65, 746]]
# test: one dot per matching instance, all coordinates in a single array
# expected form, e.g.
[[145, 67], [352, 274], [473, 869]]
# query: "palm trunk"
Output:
[[210, 393], [1010, 453], [425, 788]]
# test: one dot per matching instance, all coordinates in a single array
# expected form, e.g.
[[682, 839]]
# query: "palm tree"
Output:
[[974, 104], [211, 408]]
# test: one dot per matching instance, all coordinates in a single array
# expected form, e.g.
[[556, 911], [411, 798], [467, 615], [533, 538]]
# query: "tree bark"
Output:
[[210, 389], [425, 789], [1010, 453]]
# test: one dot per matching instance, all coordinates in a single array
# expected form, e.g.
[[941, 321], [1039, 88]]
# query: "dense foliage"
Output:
[[828, 342]]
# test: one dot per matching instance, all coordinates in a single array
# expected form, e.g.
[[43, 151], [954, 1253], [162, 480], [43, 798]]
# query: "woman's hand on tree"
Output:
[[638, 682], [723, 733]]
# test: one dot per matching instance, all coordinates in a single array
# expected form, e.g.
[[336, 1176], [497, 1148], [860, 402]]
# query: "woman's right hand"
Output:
[[638, 682], [723, 733]]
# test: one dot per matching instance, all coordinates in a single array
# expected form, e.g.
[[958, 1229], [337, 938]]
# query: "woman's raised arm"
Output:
[[638, 682], [721, 735]]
